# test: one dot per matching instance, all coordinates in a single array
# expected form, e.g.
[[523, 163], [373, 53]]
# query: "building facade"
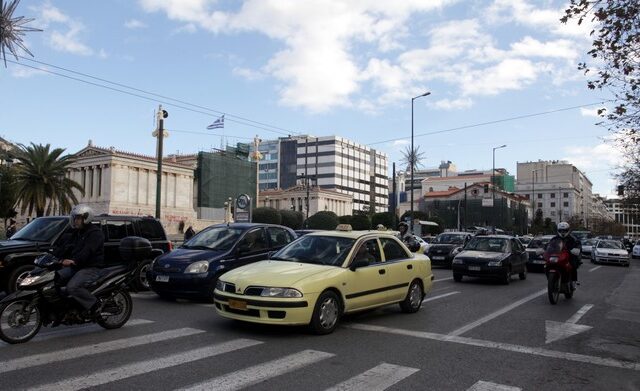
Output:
[[319, 199], [628, 216], [445, 169], [123, 183], [329, 162], [557, 188]]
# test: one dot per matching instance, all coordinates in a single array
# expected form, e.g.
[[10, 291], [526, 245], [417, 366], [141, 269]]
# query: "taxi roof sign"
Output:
[[344, 227]]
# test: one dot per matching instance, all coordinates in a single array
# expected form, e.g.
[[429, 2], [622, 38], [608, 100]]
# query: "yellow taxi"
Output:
[[323, 275]]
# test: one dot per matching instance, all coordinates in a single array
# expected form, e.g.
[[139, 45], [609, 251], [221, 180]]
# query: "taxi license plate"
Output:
[[438, 258], [238, 304], [474, 268], [162, 278]]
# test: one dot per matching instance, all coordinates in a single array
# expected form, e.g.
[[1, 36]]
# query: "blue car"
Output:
[[191, 271]]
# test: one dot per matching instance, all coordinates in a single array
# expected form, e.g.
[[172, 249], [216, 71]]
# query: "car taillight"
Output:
[[170, 246]]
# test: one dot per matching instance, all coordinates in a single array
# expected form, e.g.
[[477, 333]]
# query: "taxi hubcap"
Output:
[[328, 313], [415, 296]]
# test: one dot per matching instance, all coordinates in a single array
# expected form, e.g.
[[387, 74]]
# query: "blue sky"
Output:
[[348, 68]]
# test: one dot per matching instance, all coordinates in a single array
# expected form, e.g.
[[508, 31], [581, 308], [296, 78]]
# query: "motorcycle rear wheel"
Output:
[[16, 325], [553, 288], [120, 300]]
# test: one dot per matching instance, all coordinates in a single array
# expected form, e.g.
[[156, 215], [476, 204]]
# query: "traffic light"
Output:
[[620, 190]]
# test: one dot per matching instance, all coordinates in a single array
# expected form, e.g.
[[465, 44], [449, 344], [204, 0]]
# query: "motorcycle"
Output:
[[558, 268], [41, 301]]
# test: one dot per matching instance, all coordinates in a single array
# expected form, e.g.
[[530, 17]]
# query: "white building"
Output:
[[625, 215], [329, 162], [320, 199], [123, 183], [557, 188]]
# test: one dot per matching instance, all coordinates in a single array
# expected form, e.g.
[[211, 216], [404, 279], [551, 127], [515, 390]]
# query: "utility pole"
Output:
[[159, 133], [256, 157], [395, 196]]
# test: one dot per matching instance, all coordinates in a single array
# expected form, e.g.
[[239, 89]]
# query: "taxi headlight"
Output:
[[220, 285], [197, 267], [280, 292]]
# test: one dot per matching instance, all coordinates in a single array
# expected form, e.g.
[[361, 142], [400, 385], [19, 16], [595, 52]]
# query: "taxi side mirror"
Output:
[[358, 264]]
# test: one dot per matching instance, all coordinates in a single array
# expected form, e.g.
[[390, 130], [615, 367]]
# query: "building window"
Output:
[[566, 195], [566, 204], [539, 204], [553, 213], [553, 204], [527, 196], [539, 195], [553, 195]]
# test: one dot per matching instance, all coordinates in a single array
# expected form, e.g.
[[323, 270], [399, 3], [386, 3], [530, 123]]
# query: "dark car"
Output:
[[44, 233], [191, 271], [446, 246], [493, 256], [535, 252], [302, 232]]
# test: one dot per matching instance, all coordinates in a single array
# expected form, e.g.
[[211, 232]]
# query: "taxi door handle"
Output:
[[409, 267], [381, 271]]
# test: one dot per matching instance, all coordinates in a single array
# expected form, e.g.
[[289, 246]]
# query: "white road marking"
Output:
[[440, 296], [443, 279], [257, 373], [497, 313], [488, 386], [89, 350], [555, 331], [65, 331], [608, 362], [576, 317], [376, 379], [126, 371], [595, 268]]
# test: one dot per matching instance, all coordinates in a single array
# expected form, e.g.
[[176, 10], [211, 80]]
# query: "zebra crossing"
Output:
[[242, 375]]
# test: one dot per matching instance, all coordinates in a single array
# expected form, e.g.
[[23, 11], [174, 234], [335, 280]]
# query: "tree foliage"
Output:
[[323, 220], [615, 66], [41, 184], [266, 215], [291, 218], [360, 222], [384, 218], [346, 219], [7, 193]]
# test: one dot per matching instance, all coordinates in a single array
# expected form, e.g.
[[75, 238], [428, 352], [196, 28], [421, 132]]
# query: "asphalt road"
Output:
[[473, 335]]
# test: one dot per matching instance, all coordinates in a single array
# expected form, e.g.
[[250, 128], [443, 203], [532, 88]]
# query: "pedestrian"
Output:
[[11, 229], [188, 234]]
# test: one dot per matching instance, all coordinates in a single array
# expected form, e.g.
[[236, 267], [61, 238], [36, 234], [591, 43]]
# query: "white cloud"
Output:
[[23, 72], [188, 28], [510, 74], [453, 104], [596, 157], [589, 112], [103, 54], [69, 41], [134, 24], [398, 143], [530, 47], [248, 74]]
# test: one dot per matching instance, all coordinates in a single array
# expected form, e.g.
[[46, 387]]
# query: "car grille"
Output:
[[162, 269]]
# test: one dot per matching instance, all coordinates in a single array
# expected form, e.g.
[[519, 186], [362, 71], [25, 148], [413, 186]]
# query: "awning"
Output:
[[431, 223]]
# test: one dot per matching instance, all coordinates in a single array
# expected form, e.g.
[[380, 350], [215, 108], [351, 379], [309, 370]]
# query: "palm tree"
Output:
[[40, 180], [416, 157]]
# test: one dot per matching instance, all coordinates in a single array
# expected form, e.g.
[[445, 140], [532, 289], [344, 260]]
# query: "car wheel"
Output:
[[326, 313], [506, 279], [17, 275], [457, 277], [141, 282], [414, 298]]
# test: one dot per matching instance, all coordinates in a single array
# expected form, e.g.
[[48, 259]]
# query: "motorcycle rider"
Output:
[[83, 255], [573, 246], [404, 234]]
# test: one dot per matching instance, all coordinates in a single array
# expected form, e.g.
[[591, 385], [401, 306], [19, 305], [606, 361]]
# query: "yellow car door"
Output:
[[366, 283], [400, 267]]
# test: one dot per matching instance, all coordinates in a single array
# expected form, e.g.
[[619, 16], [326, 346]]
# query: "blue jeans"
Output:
[[77, 282]]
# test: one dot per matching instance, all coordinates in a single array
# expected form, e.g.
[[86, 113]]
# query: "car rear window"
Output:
[[151, 229]]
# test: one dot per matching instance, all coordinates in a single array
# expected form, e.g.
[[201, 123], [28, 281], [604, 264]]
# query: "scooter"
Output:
[[558, 268], [41, 301]]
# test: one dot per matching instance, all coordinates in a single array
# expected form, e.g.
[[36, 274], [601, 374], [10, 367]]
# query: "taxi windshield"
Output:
[[450, 239], [318, 250]]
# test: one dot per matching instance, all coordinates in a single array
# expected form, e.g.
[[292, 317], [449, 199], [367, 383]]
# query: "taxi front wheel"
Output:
[[414, 298], [326, 313]]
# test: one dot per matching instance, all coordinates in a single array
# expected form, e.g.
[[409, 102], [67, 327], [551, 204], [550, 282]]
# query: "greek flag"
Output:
[[217, 124]]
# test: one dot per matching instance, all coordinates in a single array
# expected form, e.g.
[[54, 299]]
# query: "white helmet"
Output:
[[563, 229], [83, 211]]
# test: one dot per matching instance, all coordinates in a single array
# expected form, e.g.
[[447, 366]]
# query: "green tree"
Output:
[[40, 181], [346, 219], [361, 222], [384, 218], [616, 69], [7, 194], [266, 215], [291, 218], [323, 220]]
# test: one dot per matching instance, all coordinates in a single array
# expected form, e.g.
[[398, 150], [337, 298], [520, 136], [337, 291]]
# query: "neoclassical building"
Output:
[[124, 183], [295, 198]]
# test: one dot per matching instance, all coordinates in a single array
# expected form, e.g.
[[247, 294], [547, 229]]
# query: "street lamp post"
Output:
[[412, 156], [493, 182]]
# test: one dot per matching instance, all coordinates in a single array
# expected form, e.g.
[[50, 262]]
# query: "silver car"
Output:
[[610, 251]]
